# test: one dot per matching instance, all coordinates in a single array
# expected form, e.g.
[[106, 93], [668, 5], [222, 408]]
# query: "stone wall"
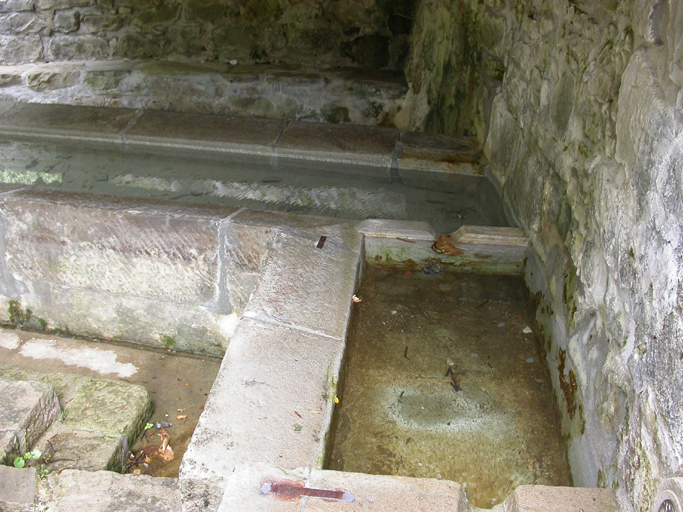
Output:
[[365, 33], [579, 105]]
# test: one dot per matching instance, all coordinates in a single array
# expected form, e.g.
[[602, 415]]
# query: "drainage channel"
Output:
[[444, 379]]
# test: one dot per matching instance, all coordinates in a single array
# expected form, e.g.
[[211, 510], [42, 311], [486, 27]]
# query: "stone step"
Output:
[[280, 92], [27, 409], [100, 419]]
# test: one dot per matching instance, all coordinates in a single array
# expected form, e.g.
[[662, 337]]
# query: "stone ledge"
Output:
[[332, 95], [272, 401]]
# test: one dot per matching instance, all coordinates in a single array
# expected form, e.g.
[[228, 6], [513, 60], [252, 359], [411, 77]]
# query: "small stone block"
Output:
[[537, 498], [17, 489], [27, 409]]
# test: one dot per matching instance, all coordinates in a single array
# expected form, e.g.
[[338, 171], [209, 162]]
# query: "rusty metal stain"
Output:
[[298, 490]]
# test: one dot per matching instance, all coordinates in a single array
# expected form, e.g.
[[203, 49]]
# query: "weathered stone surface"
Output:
[[240, 139], [580, 108], [66, 21], [18, 489], [109, 407], [83, 450], [26, 410], [23, 50], [46, 79], [16, 5], [134, 270], [410, 230], [362, 492], [104, 491], [80, 123], [272, 401], [301, 285], [76, 47], [536, 498], [361, 150], [100, 419]]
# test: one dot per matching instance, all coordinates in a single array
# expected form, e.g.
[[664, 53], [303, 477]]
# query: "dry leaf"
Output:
[[181, 417], [168, 454]]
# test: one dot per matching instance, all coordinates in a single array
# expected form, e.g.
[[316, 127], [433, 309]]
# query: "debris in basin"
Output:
[[321, 242], [356, 299], [444, 245], [455, 378], [527, 330], [432, 268]]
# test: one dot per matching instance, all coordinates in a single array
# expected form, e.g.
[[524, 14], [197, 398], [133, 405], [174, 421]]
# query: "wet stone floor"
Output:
[[177, 383], [443, 379]]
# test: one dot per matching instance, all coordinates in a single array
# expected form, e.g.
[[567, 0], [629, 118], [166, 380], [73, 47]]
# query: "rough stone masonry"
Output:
[[579, 106]]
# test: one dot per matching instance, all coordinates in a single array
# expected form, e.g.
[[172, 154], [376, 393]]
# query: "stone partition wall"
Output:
[[579, 105], [323, 33]]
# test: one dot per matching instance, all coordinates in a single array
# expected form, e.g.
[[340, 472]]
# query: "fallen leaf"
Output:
[[181, 417], [181, 410], [137, 471], [167, 455], [356, 299]]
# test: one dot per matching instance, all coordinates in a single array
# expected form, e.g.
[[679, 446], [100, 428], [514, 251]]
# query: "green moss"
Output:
[[169, 342]]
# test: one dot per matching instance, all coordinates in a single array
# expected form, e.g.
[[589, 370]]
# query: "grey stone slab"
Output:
[[409, 230], [307, 287], [382, 492], [105, 491], [109, 407], [18, 489], [353, 149], [243, 491], [27, 409], [247, 489], [249, 136], [80, 449], [272, 401], [538, 498], [66, 123], [144, 254]]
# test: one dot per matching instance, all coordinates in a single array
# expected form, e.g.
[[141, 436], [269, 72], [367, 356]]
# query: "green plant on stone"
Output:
[[20, 462], [169, 342]]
